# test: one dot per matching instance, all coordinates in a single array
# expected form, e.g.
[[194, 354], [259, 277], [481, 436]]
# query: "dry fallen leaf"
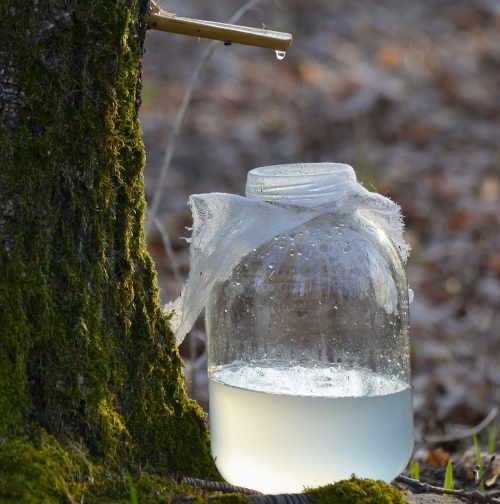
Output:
[[438, 457]]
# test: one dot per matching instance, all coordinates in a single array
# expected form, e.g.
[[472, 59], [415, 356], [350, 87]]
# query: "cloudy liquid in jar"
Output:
[[277, 430]]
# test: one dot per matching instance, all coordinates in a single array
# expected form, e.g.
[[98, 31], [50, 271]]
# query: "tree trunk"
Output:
[[85, 349]]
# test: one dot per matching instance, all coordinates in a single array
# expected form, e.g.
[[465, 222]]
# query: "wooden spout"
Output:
[[227, 33]]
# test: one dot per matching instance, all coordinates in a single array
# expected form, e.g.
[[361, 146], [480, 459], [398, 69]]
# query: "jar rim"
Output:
[[297, 169], [303, 184]]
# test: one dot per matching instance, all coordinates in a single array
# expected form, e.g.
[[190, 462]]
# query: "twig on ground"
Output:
[[179, 118], [473, 495], [217, 486], [479, 480], [465, 434], [302, 498]]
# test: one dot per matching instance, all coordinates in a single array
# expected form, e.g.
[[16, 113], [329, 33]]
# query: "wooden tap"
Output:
[[227, 33]]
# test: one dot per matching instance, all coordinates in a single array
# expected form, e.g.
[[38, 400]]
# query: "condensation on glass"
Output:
[[332, 291]]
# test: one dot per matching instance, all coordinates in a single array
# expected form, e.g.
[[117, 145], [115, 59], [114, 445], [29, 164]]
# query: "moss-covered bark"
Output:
[[39, 470], [85, 350]]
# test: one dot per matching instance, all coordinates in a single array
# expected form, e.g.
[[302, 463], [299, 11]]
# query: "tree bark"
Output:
[[85, 349]]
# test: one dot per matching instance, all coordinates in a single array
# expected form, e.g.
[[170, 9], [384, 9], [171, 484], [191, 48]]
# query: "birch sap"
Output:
[[277, 430]]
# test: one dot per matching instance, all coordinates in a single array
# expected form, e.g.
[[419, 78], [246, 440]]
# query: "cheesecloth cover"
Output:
[[226, 227]]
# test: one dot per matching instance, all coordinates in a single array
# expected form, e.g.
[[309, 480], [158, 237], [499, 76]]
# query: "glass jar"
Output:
[[308, 359]]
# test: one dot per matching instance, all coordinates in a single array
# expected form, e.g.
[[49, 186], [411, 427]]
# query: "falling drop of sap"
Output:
[[280, 54]]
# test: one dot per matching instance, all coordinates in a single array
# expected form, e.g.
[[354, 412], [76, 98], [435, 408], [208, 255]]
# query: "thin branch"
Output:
[[473, 495], [181, 113], [253, 495], [480, 479], [217, 486], [465, 434], [302, 498]]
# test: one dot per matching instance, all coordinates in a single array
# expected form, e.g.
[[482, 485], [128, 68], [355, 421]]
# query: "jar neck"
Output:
[[308, 185]]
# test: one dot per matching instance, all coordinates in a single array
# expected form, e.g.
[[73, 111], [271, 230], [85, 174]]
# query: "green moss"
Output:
[[37, 469], [231, 498], [357, 491], [85, 349]]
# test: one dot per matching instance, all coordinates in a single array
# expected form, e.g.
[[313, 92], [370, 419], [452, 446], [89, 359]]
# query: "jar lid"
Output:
[[307, 185]]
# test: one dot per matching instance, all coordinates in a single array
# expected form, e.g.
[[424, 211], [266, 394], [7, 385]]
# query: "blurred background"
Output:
[[405, 91]]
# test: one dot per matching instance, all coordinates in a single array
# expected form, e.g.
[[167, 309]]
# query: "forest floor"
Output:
[[406, 92]]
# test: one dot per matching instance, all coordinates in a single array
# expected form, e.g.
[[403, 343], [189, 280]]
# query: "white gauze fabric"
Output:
[[226, 227]]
